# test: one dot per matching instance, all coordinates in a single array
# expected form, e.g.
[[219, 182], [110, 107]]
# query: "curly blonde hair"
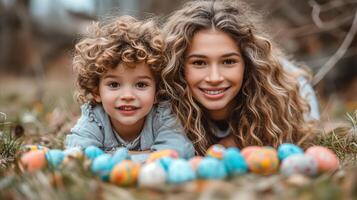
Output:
[[269, 109], [123, 40]]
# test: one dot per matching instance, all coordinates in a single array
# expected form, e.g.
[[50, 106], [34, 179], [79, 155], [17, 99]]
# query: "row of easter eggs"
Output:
[[165, 166]]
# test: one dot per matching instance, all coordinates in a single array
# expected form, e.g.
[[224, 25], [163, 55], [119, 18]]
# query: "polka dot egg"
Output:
[[125, 173], [299, 164], [263, 161]]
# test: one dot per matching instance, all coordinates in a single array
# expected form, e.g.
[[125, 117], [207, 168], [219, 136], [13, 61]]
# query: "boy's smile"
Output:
[[127, 95]]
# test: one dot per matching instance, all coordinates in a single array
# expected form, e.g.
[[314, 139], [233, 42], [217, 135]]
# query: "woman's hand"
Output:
[[228, 141]]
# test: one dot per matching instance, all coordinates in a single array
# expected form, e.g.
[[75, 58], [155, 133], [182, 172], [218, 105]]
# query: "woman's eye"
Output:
[[142, 85], [113, 84], [198, 62], [229, 62]]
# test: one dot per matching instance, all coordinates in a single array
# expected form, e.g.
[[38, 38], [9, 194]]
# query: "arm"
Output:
[[85, 133], [170, 135]]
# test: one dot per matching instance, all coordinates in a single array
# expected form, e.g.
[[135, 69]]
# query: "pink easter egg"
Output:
[[325, 158], [33, 160], [195, 161], [246, 151], [216, 151]]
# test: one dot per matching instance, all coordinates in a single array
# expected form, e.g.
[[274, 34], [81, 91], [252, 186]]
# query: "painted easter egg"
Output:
[[285, 150], [152, 175], [234, 162], [263, 161], [216, 151], [195, 162], [92, 152], [211, 168], [33, 160], [299, 164], [119, 155], [246, 151], [55, 157], [180, 171], [125, 173], [325, 158], [165, 162], [102, 166], [162, 153]]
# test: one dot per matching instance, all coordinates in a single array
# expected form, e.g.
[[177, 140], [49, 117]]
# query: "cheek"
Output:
[[191, 77]]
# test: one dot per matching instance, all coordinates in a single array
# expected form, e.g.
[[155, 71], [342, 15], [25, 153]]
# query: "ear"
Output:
[[97, 97]]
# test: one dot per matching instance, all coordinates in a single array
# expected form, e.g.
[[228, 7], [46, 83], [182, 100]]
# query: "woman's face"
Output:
[[214, 69]]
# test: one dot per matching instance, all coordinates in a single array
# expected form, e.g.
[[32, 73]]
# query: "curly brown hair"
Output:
[[269, 109], [122, 40]]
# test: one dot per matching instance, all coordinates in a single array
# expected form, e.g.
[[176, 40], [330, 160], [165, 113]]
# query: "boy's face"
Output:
[[127, 95]]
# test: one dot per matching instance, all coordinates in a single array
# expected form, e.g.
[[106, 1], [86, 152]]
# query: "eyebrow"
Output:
[[139, 77], [224, 55]]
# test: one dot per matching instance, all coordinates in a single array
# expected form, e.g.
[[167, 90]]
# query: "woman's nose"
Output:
[[214, 75]]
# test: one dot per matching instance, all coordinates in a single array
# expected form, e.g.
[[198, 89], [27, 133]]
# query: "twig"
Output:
[[338, 54]]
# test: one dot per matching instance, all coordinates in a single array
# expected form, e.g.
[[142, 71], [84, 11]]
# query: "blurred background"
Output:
[[37, 38]]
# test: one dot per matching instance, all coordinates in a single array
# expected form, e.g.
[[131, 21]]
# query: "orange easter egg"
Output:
[[216, 151], [195, 162], [325, 158], [125, 173], [33, 160], [263, 161], [162, 153], [246, 151]]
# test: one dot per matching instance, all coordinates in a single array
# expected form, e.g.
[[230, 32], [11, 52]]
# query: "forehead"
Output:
[[131, 69], [210, 41]]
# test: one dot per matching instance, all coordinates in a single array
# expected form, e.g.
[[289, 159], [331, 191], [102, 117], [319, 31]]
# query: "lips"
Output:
[[214, 93]]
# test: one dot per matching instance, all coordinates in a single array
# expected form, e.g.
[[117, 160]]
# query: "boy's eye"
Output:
[[113, 84], [229, 62], [141, 85]]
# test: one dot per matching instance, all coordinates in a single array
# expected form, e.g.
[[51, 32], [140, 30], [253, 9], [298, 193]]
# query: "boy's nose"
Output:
[[127, 95], [214, 76]]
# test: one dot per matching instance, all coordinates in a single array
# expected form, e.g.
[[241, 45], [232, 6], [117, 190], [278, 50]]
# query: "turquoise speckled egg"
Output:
[[299, 164], [54, 157], [152, 175], [180, 171], [102, 166], [216, 151], [211, 168], [92, 152], [119, 155], [234, 162], [285, 150]]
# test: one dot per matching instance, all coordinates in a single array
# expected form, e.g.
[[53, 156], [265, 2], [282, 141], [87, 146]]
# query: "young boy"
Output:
[[118, 70]]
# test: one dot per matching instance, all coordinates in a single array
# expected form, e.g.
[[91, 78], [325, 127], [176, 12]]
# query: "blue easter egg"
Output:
[[119, 155], [54, 157], [92, 152], [211, 168], [180, 171], [165, 162], [234, 162], [102, 166], [285, 150]]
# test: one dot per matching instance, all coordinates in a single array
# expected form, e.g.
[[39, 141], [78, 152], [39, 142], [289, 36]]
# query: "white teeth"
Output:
[[213, 92], [127, 108]]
